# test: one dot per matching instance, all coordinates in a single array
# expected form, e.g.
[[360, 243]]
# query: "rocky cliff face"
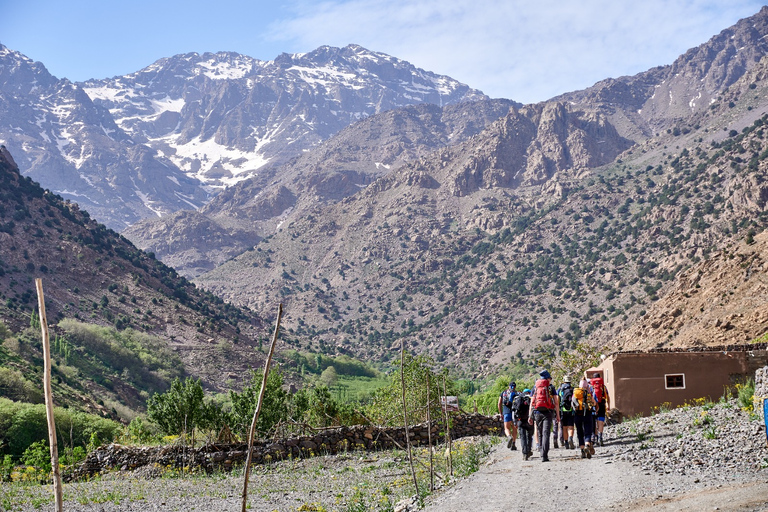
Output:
[[339, 168]]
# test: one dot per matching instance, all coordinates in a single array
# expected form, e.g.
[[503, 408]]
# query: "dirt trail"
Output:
[[506, 483]]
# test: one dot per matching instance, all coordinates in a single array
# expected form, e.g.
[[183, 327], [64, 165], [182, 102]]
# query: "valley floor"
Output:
[[711, 457]]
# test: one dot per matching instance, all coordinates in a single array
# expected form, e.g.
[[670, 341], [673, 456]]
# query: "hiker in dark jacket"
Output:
[[565, 392], [521, 407], [545, 406]]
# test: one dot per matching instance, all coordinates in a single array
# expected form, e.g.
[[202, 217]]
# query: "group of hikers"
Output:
[[545, 409]]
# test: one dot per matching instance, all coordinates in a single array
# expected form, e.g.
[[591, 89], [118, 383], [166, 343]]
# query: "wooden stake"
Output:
[[405, 415], [49, 398], [429, 437], [258, 407], [448, 429]]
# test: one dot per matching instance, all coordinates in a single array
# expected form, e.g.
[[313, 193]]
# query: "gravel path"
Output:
[[698, 458]]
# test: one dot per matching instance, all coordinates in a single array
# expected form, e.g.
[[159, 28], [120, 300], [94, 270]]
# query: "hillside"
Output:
[[240, 216], [154, 324], [477, 255]]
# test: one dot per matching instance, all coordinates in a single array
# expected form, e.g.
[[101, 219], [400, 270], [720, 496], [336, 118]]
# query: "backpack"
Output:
[[597, 389], [521, 406], [542, 399], [566, 393], [507, 397], [582, 401]]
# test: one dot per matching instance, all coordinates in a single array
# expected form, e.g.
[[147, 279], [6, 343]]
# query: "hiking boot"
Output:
[[591, 449], [589, 454], [583, 453], [555, 443], [510, 442], [601, 439], [571, 446], [514, 447], [545, 459]]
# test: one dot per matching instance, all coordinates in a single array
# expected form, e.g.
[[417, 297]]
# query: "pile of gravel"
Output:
[[717, 441]]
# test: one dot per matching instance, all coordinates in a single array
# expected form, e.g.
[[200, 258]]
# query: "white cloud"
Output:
[[523, 50]]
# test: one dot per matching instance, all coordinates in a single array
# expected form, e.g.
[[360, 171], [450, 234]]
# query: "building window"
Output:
[[675, 381]]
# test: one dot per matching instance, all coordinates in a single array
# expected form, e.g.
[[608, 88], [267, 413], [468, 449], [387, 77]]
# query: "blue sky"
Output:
[[522, 50]]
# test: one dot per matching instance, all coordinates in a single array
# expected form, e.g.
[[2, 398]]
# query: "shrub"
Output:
[[746, 394], [181, 409], [13, 385], [23, 424]]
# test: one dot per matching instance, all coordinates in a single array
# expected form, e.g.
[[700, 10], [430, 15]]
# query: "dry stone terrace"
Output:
[[332, 441]]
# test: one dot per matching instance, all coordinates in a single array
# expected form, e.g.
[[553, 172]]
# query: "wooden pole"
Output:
[[49, 397], [258, 408], [405, 415], [448, 429], [429, 437]]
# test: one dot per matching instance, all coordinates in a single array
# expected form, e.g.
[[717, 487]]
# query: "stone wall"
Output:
[[332, 441]]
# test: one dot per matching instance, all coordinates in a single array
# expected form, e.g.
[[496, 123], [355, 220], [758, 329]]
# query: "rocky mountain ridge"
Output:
[[240, 216], [167, 137], [619, 112]]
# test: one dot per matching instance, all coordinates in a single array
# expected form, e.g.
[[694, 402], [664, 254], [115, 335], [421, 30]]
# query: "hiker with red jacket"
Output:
[[505, 411], [546, 407], [603, 401]]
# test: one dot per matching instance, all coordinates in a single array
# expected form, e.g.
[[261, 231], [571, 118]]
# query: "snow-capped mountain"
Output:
[[164, 138], [73, 147], [220, 117]]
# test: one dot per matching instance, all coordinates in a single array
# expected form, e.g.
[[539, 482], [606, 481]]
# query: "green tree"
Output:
[[183, 408], [273, 410], [329, 377], [386, 405]]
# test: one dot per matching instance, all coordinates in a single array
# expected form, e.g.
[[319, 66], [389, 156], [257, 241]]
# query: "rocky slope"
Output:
[[92, 274], [475, 253], [240, 216], [661, 98]]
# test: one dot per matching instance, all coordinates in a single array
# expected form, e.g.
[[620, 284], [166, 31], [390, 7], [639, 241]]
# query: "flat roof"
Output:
[[742, 347]]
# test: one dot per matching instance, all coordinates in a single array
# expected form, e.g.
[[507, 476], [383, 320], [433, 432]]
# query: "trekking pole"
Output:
[[252, 434]]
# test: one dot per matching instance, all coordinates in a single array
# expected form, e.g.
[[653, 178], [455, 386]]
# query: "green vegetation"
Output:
[[21, 425], [183, 409], [145, 362]]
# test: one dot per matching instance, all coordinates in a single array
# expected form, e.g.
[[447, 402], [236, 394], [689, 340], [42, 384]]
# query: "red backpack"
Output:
[[597, 389], [542, 399]]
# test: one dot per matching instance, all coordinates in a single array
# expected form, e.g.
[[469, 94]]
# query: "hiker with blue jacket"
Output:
[[505, 410], [546, 409]]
